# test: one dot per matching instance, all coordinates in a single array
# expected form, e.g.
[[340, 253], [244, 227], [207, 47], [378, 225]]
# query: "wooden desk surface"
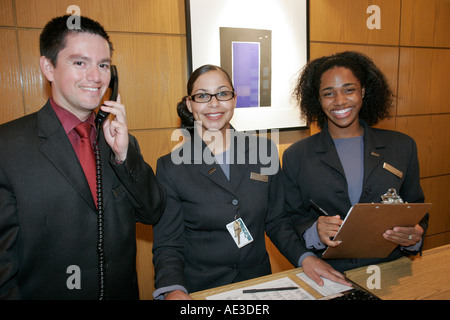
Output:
[[425, 277], [421, 277]]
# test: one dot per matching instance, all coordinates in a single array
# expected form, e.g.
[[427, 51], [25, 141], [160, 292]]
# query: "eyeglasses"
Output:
[[206, 97]]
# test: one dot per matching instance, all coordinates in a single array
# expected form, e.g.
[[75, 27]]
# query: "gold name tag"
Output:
[[259, 177], [393, 170]]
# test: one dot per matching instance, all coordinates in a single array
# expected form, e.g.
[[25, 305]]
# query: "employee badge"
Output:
[[239, 232]]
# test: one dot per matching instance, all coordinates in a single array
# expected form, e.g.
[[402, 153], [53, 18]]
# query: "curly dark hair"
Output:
[[377, 99], [187, 118]]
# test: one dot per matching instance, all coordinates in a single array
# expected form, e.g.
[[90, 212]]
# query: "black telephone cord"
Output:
[[100, 223]]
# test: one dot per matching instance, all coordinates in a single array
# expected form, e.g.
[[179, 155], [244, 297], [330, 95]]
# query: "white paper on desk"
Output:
[[329, 287], [237, 294]]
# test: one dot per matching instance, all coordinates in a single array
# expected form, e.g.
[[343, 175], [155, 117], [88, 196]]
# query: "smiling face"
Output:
[[213, 115], [81, 75], [341, 99]]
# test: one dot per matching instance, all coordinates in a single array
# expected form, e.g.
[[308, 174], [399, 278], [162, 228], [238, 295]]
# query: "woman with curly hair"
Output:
[[344, 164]]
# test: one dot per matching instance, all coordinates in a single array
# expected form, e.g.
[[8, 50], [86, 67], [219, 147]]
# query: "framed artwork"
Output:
[[263, 45]]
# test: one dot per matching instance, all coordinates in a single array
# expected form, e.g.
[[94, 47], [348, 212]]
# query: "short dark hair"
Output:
[[187, 118], [53, 38], [378, 96]]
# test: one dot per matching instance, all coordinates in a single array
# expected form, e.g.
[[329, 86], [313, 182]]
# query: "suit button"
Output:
[[235, 267], [235, 202], [132, 175]]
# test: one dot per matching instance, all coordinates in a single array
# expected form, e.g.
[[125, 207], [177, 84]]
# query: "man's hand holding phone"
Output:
[[116, 130]]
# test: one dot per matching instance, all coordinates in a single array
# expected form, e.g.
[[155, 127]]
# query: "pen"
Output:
[[268, 289], [319, 209]]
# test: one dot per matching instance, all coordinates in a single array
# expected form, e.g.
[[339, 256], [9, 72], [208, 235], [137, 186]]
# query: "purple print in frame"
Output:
[[246, 70], [280, 28]]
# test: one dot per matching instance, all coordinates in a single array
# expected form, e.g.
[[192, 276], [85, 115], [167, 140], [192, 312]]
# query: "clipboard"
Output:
[[362, 230]]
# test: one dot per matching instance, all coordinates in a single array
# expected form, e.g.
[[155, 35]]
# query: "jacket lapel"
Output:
[[59, 151], [238, 169], [327, 151], [372, 146], [372, 151], [372, 154], [214, 172]]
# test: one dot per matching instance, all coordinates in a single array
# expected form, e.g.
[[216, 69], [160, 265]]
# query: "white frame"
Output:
[[288, 20]]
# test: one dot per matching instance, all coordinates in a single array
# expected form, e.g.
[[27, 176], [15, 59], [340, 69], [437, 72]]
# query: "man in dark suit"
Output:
[[48, 211]]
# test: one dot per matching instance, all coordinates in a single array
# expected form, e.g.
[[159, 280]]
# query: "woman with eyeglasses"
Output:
[[221, 200]]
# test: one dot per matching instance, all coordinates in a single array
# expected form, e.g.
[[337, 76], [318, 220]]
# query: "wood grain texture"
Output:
[[148, 16], [6, 13], [152, 73], [423, 81], [416, 278], [10, 78], [345, 21], [433, 140], [437, 191], [425, 23], [36, 89]]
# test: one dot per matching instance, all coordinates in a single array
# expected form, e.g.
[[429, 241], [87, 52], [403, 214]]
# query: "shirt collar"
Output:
[[68, 120]]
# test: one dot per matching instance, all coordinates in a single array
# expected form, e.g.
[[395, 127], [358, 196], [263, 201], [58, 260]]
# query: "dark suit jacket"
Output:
[[48, 220], [192, 246], [312, 169]]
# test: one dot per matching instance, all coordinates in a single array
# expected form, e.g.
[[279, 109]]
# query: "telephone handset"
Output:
[[100, 118], [114, 86]]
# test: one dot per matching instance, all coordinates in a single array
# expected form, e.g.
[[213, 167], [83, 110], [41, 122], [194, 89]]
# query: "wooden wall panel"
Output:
[[422, 82], [156, 143], [152, 73], [10, 79], [152, 16], [425, 23], [432, 136], [437, 191], [6, 13], [436, 240], [36, 90], [345, 21], [144, 263]]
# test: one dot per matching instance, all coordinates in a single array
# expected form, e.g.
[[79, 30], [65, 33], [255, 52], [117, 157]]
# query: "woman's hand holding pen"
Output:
[[327, 227]]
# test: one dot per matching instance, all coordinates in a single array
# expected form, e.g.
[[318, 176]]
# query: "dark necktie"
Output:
[[86, 156]]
